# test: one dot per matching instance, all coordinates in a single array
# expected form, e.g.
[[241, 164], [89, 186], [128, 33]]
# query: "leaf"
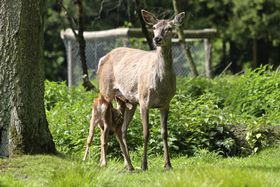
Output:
[[258, 135]]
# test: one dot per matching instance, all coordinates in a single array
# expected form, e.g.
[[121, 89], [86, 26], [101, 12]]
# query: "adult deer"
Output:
[[144, 77]]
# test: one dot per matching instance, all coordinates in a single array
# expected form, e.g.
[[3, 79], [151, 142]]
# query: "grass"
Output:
[[204, 169]]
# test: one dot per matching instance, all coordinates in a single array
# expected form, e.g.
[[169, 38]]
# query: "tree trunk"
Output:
[[23, 125], [224, 64], [143, 25], [184, 45], [263, 52], [234, 54], [254, 53], [82, 47]]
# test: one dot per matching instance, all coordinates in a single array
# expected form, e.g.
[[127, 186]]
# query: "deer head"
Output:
[[162, 28]]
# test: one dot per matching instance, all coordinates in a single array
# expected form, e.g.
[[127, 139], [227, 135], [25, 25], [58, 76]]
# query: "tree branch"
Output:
[[69, 18], [99, 12], [143, 25], [81, 41], [184, 45]]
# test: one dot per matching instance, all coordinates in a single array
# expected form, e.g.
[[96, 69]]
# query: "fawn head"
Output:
[[162, 28]]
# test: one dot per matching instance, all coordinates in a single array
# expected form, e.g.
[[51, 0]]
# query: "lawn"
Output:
[[234, 116], [204, 169]]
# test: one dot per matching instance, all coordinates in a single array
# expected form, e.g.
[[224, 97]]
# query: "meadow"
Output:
[[204, 169], [222, 132]]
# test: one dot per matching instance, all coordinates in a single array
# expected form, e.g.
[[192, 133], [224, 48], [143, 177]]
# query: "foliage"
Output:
[[116, 14], [68, 112], [53, 46], [255, 94], [256, 18], [238, 22], [202, 116], [205, 169]]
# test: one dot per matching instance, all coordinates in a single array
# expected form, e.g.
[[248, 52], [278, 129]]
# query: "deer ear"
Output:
[[178, 19], [148, 17]]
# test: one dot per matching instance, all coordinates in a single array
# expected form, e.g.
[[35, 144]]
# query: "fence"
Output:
[[101, 42]]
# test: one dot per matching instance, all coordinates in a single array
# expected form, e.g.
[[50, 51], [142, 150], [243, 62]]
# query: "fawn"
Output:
[[109, 119]]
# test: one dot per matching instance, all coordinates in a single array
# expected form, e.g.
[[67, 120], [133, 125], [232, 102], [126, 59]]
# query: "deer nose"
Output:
[[157, 40]]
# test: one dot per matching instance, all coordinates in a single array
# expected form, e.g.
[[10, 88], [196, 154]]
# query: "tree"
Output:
[[23, 125], [143, 24], [255, 28], [248, 30], [81, 41], [184, 45]]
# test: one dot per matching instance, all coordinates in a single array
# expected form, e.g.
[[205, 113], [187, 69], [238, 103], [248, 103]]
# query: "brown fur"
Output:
[[109, 119], [142, 77]]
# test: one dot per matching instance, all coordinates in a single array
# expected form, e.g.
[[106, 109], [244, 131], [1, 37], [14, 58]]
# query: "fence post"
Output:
[[69, 63], [208, 56]]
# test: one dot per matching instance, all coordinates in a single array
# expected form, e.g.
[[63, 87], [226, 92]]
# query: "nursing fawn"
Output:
[[109, 119]]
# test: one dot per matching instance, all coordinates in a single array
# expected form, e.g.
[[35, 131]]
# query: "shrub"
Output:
[[68, 112], [229, 115]]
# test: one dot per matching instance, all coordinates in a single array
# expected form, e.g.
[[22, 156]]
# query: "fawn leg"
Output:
[[104, 145], [92, 125]]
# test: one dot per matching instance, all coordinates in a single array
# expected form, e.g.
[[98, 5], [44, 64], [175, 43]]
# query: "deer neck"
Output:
[[164, 58]]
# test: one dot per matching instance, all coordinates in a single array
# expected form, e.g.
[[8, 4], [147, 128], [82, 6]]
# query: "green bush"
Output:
[[68, 112], [228, 115]]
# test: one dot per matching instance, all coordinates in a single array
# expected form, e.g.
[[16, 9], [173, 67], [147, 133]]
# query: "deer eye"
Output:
[[154, 27]]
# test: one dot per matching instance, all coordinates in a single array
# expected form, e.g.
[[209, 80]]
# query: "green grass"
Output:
[[204, 169]]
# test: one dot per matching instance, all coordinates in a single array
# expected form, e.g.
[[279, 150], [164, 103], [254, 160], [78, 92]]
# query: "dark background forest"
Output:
[[248, 30]]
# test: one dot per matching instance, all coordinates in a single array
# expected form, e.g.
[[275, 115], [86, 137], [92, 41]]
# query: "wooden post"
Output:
[[208, 63], [69, 63]]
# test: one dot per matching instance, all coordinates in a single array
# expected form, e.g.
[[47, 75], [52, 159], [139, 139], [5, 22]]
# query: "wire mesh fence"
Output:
[[98, 47]]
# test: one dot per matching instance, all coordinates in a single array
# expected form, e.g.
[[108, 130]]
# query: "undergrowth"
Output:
[[230, 115]]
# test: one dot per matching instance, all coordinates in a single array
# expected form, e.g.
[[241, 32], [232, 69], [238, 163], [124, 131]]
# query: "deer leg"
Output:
[[145, 122], [92, 126], [104, 145], [128, 164], [163, 121], [128, 114]]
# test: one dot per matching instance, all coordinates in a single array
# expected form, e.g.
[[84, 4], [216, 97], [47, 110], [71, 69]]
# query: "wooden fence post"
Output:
[[69, 64], [208, 56]]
